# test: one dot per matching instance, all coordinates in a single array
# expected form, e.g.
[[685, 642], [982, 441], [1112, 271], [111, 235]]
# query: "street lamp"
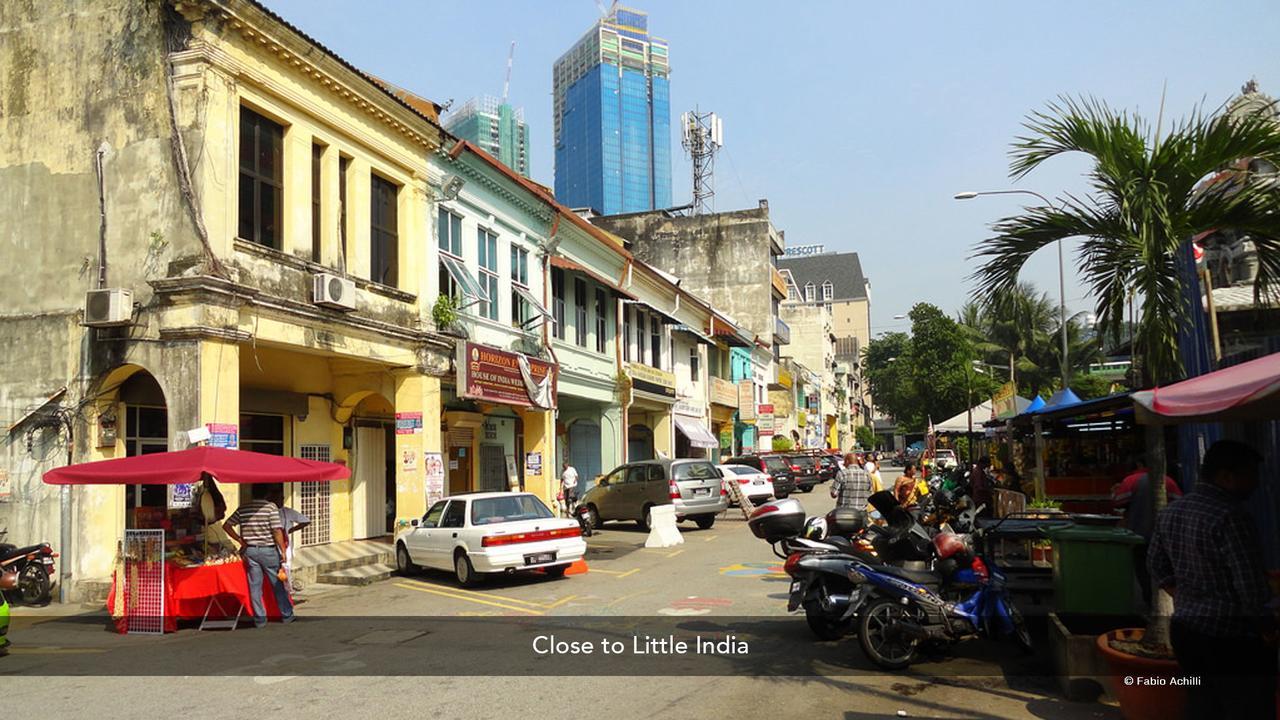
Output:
[[968, 378], [1062, 283]]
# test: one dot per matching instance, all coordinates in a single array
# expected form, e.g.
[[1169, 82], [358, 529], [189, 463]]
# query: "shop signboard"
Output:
[[784, 377], [408, 423], [685, 407], [652, 380], [764, 420], [1004, 402], [498, 376], [726, 440], [723, 392], [434, 462], [746, 401]]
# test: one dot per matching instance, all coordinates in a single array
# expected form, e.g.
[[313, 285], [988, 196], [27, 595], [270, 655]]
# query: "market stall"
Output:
[[176, 563]]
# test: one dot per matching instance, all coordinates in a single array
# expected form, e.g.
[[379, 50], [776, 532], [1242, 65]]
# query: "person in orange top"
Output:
[[904, 488]]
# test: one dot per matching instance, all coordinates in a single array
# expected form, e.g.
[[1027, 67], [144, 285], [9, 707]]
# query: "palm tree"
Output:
[[1149, 196], [1009, 328]]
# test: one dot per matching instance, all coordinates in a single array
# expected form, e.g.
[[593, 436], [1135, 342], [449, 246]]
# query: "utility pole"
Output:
[[702, 134]]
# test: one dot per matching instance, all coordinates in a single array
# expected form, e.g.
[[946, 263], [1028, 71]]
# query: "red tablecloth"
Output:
[[188, 590]]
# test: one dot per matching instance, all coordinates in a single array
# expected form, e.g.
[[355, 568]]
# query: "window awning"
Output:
[[698, 434], [690, 331], [540, 312], [466, 282], [564, 263]]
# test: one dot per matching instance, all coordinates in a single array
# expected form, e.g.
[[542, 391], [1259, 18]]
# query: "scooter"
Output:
[[903, 612]]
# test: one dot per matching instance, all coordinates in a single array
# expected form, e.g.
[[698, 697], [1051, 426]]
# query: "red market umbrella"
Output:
[[1248, 391], [185, 466]]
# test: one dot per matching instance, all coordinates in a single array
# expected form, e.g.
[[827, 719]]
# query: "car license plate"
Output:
[[539, 558], [702, 491], [758, 482]]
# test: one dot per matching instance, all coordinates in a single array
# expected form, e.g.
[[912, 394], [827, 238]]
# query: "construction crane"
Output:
[[506, 86]]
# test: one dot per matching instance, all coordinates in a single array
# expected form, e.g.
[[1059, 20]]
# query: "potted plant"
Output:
[[445, 312], [1128, 657], [1042, 553]]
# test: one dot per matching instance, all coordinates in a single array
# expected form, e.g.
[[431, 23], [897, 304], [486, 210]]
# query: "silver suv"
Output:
[[628, 492]]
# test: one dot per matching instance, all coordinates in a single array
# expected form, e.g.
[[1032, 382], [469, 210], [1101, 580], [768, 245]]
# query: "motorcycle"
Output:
[[904, 611], [35, 569]]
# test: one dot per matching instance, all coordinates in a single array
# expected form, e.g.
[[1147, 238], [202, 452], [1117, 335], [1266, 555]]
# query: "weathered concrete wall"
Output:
[[723, 258]]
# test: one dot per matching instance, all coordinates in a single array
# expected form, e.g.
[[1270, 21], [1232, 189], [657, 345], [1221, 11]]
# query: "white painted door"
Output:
[[369, 486]]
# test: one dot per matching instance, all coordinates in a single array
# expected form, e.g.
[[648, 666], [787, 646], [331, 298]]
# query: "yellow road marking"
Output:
[[606, 572], [629, 572], [627, 597], [709, 539], [560, 602], [468, 599], [476, 593], [676, 553], [52, 650]]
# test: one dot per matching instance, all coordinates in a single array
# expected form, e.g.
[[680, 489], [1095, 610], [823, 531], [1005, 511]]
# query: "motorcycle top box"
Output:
[[777, 520]]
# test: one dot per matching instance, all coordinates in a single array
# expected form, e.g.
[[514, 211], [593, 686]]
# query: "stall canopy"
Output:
[[1062, 398], [1035, 405], [1248, 391], [186, 466], [699, 436], [981, 414]]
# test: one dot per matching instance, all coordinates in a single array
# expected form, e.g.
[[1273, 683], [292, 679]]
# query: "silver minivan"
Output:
[[629, 491]]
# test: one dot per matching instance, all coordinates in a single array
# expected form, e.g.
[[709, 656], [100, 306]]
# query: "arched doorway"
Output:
[[373, 470], [639, 443], [145, 429]]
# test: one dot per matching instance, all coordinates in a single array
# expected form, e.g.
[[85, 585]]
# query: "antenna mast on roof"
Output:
[[702, 134], [506, 85]]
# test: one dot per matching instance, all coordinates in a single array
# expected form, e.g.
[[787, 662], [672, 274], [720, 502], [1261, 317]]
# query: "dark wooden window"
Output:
[[580, 311], [317, 152], [261, 179], [601, 325], [626, 333], [693, 363], [655, 336], [383, 231], [344, 164], [557, 300], [640, 343]]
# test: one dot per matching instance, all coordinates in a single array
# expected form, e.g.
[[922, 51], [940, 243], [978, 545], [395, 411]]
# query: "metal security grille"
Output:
[[314, 499], [144, 581]]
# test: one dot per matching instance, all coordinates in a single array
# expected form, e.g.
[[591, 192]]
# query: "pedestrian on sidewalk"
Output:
[[291, 521], [262, 544], [852, 487], [569, 486], [1206, 553]]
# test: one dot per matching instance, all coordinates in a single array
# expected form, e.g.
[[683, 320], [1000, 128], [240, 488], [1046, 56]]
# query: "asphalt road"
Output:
[[420, 645]]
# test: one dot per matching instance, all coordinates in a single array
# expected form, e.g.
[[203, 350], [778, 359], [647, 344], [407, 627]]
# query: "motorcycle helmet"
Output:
[[948, 544], [815, 528]]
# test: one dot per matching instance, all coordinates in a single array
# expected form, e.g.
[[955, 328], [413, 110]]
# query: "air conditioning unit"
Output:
[[333, 291], [108, 307]]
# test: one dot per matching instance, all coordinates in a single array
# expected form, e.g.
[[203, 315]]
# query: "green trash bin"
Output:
[[1093, 569]]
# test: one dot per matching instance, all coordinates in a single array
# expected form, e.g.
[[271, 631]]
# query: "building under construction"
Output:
[[496, 127]]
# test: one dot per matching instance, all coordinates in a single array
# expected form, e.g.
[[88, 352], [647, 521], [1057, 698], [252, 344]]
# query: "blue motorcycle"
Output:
[[904, 612]]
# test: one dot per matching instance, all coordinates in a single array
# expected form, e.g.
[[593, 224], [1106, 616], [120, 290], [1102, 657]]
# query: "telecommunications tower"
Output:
[[702, 134]]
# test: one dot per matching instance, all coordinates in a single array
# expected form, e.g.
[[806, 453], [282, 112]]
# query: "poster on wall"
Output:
[[764, 421], [434, 462], [409, 460], [224, 435], [180, 495], [408, 423], [513, 474], [533, 463]]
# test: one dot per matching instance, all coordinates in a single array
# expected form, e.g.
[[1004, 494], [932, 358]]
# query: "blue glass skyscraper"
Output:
[[612, 111]]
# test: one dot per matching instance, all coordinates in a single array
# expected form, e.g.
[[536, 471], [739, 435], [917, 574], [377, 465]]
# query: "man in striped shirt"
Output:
[[261, 539]]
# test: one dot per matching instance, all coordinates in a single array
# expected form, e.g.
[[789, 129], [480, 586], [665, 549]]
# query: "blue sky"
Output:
[[857, 120]]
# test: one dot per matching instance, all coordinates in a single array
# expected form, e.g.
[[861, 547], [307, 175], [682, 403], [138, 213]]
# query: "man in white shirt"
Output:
[[569, 486]]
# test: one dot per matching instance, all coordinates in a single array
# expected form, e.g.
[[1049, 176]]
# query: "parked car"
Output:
[[945, 459], [806, 469], [755, 485], [775, 466], [827, 467], [477, 534], [629, 491]]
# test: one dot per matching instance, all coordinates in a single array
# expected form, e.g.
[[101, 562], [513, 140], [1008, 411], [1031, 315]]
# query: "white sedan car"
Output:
[[755, 485], [493, 532]]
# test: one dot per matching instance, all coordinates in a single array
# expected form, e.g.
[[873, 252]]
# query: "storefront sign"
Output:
[[764, 420], [492, 375], [224, 435], [726, 440], [533, 463], [652, 380], [723, 392], [1004, 402], [409, 460], [435, 476], [408, 423], [784, 378], [684, 407], [746, 401]]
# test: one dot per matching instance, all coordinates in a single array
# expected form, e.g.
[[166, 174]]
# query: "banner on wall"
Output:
[[434, 462]]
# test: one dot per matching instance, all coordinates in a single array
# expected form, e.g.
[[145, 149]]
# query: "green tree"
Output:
[[782, 443], [941, 368], [866, 437], [887, 368], [1148, 198]]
